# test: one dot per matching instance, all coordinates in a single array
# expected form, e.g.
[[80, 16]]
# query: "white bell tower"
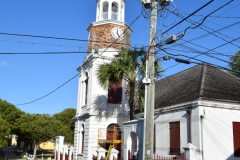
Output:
[[100, 110]]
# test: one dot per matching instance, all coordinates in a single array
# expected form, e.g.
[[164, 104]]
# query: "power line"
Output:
[[188, 16], [36, 43], [32, 53], [210, 33], [221, 54], [78, 73], [225, 17], [50, 92], [189, 58], [57, 38], [213, 31], [207, 16]]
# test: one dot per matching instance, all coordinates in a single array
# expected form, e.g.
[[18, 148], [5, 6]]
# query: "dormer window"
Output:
[[114, 11], [105, 11]]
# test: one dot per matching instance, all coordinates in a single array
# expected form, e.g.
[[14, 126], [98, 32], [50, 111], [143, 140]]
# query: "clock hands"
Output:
[[118, 34]]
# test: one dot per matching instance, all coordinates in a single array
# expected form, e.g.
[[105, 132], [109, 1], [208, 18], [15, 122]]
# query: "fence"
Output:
[[179, 157], [63, 156]]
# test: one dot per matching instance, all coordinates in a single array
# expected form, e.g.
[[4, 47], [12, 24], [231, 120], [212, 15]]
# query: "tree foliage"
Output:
[[66, 118], [40, 128], [130, 66], [9, 115], [235, 65], [34, 128], [5, 131]]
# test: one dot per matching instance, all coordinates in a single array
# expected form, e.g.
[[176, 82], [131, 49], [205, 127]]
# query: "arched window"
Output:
[[114, 11], [86, 85], [105, 11], [83, 138]]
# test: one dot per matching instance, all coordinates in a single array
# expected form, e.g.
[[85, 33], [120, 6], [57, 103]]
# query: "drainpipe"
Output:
[[201, 120], [189, 112]]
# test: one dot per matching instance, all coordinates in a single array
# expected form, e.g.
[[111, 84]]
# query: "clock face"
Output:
[[116, 32]]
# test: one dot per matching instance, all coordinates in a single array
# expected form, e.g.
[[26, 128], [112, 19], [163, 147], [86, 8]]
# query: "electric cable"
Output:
[[49, 92], [216, 66], [57, 38], [207, 17], [227, 17], [76, 74], [213, 31], [32, 53], [188, 16], [47, 44], [202, 53], [188, 51]]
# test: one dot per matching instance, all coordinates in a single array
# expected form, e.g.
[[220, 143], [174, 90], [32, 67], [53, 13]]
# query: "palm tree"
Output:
[[130, 66]]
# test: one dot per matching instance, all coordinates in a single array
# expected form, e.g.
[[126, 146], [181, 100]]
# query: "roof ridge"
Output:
[[202, 81]]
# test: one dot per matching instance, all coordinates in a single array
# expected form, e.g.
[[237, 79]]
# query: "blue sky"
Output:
[[27, 77]]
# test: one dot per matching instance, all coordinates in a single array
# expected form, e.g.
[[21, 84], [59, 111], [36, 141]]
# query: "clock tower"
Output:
[[109, 30], [101, 112]]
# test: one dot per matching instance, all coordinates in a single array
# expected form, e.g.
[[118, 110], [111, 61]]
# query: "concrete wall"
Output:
[[217, 129]]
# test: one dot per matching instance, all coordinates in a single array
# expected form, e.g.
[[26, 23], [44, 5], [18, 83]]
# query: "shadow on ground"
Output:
[[18, 153]]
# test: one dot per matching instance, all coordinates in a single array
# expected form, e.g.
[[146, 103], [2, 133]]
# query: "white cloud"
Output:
[[3, 63]]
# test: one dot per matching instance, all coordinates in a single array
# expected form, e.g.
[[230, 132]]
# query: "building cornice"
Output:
[[200, 102]]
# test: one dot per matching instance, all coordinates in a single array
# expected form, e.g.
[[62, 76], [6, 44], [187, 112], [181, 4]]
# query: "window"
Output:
[[114, 11], [174, 129], [105, 11], [82, 138], [86, 89], [115, 93], [236, 138]]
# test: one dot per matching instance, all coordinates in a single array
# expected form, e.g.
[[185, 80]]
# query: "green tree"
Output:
[[9, 115], [5, 131], [235, 65], [130, 66], [66, 118], [40, 128]]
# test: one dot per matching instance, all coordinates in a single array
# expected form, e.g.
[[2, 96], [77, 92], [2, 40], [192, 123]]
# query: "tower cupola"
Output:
[[110, 10]]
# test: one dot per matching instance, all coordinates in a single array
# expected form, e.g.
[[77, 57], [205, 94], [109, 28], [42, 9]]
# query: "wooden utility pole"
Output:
[[150, 97]]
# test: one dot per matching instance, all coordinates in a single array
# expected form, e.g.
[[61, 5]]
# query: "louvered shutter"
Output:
[[236, 138], [115, 93], [174, 128]]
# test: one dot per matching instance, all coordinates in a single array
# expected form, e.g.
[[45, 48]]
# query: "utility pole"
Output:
[[150, 87]]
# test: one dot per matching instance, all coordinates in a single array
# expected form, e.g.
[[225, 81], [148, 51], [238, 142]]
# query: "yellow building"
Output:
[[45, 145]]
